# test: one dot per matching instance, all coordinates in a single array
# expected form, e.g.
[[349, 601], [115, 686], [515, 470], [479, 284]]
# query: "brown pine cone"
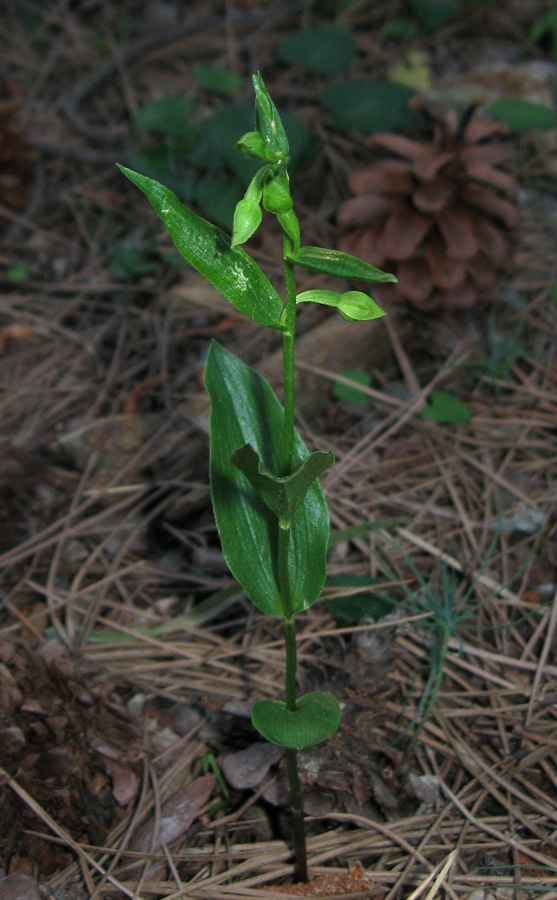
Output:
[[440, 216]]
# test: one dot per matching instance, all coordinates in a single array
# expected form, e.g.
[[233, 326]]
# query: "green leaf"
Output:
[[169, 115], [522, 115], [217, 146], [217, 195], [433, 14], [352, 395], [282, 495], [316, 717], [325, 50], [362, 600], [19, 272], [446, 409], [244, 410], [545, 25], [154, 162], [130, 262], [338, 264], [208, 250], [398, 29], [269, 123], [369, 105], [218, 81], [354, 306]]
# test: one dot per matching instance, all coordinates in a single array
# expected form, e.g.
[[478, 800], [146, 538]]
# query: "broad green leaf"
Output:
[[130, 262], [283, 495], [546, 24], [277, 151], [19, 272], [338, 264], [397, 29], [325, 50], [169, 115], [244, 410], [369, 105], [157, 163], [522, 115], [446, 409], [217, 195], [316, 717], [362, 600], [218, 81], [352, 395], [433, 14], [354, 306], [209, 250]]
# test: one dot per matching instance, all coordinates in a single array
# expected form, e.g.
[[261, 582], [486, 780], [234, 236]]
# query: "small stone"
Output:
[[19, 887]]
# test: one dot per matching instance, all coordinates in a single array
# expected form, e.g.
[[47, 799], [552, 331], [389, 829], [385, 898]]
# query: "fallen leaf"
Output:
[[176, 816], [19, 887], [247, 768]]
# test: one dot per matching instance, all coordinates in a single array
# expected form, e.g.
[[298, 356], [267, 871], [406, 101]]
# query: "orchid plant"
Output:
[[270, 511]]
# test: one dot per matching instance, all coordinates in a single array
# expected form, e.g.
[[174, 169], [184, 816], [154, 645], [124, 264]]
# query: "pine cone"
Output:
[[440, 217]]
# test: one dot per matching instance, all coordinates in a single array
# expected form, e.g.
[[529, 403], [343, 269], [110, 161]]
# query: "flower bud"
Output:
[[276, 196], [251, 145], [247, 219]]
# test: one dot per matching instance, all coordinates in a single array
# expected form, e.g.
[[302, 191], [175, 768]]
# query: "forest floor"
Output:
[[129, 658]]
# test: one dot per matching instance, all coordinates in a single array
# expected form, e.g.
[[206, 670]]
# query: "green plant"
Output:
[[325, 50], [545, 26], [523, 115], [269, 508], [446, 409], [196, 159], [449, 602]]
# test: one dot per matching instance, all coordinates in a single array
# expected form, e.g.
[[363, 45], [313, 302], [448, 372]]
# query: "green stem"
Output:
[[290, 643], [288, 359], [283, 573], [295, 798], [295, 801]]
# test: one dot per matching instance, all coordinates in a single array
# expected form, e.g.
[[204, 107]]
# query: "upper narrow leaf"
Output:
[[244, 410], [208, 249], [339, 264], [354, 306]]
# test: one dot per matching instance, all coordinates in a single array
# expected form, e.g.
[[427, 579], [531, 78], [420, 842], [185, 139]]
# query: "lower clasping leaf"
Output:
[[315, 719], [245, 410]]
